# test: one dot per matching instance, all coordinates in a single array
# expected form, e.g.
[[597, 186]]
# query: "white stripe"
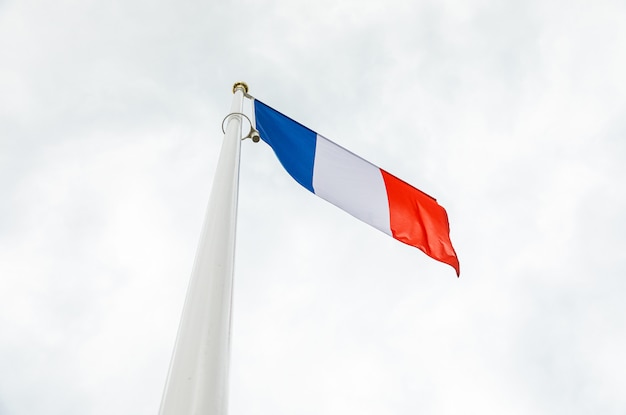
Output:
[[351, 183]]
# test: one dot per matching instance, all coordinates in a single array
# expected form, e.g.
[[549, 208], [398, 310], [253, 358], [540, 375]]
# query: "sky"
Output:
[[512, 114]]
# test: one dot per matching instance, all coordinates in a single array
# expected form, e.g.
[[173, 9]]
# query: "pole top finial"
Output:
[[241, 85]]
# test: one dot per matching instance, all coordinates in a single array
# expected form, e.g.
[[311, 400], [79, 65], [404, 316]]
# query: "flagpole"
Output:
[[197, 382]]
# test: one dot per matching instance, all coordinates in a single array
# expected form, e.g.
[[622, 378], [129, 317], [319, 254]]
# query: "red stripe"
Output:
[[417, 220]]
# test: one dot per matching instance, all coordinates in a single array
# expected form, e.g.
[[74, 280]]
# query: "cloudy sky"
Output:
[[512, 114]]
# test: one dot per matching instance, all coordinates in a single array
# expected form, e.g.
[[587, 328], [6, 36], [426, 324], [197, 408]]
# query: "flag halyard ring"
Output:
[[252, 133]]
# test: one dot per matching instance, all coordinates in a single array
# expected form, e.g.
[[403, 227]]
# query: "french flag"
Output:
[[362, 189]]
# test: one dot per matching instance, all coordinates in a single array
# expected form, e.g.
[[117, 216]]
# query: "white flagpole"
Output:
[[197, 382]]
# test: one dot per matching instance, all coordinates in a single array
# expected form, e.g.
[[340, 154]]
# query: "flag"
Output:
[[355, 185]]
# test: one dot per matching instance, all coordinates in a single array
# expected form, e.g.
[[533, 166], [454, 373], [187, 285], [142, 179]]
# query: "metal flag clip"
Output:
[[252, 133]]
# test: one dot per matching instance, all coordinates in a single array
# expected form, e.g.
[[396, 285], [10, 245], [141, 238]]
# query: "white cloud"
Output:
[[509, 113]]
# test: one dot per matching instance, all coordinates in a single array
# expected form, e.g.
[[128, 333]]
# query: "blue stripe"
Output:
[[293, 143]]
